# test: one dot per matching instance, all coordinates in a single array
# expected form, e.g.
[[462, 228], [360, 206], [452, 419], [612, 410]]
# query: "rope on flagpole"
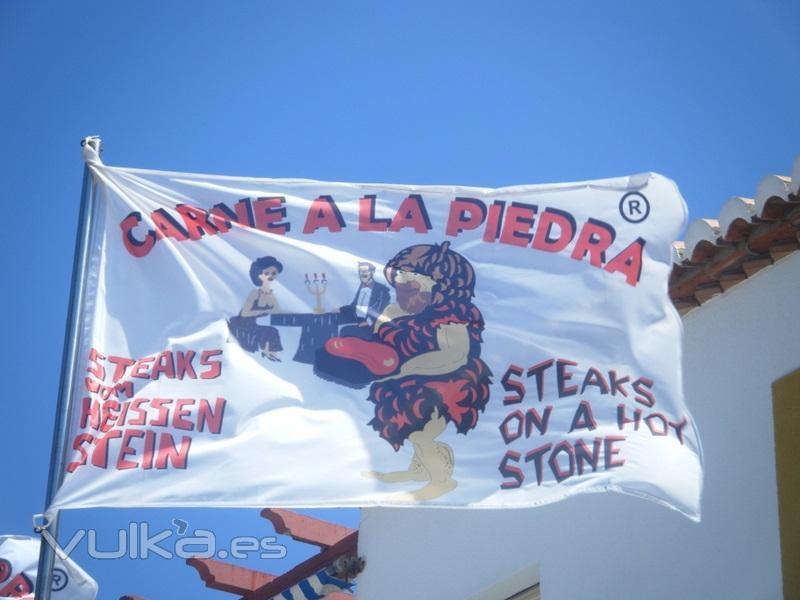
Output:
[[47, 526]]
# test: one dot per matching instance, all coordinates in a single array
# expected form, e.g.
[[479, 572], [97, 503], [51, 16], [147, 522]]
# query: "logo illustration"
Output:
[[421, 359], [60, 579], [370, 300], [252, 336]]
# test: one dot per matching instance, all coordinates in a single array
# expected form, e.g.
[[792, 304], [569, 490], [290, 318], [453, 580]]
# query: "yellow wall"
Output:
[[786, 411]]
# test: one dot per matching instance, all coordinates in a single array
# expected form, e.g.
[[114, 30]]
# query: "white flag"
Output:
[[19, 558], [261, 342]]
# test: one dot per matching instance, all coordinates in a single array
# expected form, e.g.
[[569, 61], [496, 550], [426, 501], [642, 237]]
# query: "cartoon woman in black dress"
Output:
[[261, 301]]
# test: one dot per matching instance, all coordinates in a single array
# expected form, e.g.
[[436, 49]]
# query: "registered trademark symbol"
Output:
[[634, 207], [60, 579]]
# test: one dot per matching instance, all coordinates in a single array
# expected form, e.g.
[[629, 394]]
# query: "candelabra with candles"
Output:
[[317, 287]]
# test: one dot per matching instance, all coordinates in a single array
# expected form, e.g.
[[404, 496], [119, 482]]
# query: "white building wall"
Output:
[[613, 546]]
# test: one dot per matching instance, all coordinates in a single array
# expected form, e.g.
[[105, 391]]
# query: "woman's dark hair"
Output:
[[258, 266]]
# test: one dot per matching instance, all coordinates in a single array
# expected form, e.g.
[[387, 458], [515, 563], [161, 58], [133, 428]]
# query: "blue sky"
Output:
[[473, 93]]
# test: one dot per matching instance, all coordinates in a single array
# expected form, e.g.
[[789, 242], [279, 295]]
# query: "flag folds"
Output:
[[19, 556], [273, 342]]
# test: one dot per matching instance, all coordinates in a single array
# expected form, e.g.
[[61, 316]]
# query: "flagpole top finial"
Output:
[[92, 147]]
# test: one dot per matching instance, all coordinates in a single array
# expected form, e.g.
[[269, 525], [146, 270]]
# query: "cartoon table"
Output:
[[316, 330]]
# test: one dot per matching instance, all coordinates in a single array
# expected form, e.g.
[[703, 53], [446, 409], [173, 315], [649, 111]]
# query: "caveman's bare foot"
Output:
[[415, 472], [432, 462], [429, 492], [395, 476]]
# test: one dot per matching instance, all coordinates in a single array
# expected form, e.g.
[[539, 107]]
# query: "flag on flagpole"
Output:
[[19, 556], [255, 342]]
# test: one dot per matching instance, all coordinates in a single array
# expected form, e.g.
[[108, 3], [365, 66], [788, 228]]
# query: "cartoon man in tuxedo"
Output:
[[370, 300]]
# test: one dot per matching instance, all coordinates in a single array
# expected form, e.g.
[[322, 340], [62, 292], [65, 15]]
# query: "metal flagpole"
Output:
[[49, 530]]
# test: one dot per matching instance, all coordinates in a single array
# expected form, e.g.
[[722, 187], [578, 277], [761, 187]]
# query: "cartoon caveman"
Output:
[[423, 361]]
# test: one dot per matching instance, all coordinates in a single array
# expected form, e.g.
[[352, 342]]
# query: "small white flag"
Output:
[[19, 560]]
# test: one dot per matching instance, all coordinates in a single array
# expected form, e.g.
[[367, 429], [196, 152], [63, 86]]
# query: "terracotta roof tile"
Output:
[[701, 237], [749, 235], [772, 192], [735, 218]]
